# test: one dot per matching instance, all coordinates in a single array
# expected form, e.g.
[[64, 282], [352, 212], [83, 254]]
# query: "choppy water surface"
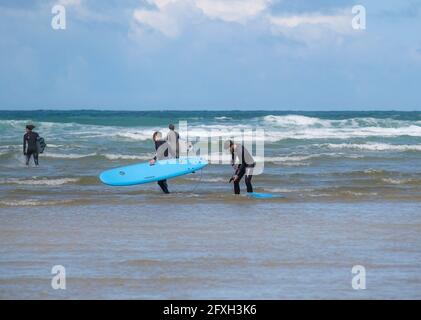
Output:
[[352, 187], [324, 155]]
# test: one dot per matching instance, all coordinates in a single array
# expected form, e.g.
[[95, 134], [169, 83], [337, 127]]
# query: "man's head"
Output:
[[30, 127], [171, 127], [229, 144]]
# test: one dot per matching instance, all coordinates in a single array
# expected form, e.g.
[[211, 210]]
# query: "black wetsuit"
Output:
[[161, 148], [246, 163], [30, 147]]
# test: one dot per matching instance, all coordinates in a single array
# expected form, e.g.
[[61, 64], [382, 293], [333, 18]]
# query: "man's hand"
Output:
[[235, 178], [152, 162]]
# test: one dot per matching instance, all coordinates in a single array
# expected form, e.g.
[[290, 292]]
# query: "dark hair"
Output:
[[171, 127], [155, 134], [30, 127]]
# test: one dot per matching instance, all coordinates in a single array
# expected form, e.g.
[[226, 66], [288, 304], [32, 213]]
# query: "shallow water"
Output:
[[352, 187], [201, 250], [308, 156]]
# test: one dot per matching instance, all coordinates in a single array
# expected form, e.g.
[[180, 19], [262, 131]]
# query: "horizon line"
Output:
[[215, 110]]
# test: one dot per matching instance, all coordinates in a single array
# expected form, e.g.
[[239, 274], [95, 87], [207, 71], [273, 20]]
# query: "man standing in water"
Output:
[[173, 139], [244, 167], [30, 147], [161, 148]]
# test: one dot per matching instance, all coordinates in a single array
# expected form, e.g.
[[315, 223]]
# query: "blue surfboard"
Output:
[[145, 173]]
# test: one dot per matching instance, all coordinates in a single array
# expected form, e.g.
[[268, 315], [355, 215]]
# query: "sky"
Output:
[[210, 54]]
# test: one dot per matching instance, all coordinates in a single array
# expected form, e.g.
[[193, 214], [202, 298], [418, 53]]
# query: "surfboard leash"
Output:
[[199, 181]]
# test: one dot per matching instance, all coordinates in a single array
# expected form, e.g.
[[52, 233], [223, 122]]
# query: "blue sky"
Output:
[[210, 54]]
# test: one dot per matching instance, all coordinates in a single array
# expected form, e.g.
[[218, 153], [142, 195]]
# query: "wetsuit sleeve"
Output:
[[232, 158], [177, 149], [156, 148], [243, 163], [24, 143], [161, 148]]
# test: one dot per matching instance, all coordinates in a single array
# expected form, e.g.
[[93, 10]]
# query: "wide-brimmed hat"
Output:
[[30, 126]]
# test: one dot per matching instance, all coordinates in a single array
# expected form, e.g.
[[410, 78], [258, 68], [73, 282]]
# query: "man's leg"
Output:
[[249, 175], [237, 182], [164, 186], [28, 157], [36, 158]]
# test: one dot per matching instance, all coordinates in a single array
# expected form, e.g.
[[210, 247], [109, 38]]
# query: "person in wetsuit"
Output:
[[244, 167], [161, 147], [173, 139], [30, 147]]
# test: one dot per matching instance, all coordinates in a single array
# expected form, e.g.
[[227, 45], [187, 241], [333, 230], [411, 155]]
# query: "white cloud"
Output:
[[234, 10], [70, 3], [314, 28], [162, 21], [340, 22], [170, 17]]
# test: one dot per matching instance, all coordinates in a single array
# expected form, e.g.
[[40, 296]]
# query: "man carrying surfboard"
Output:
[[245, 165], [161, 148], [30, 147]]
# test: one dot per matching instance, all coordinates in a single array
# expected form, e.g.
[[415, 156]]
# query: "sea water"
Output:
[[351, 187]]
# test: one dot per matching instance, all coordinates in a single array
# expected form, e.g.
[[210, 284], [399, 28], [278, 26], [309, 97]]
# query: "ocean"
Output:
[[351, 187]]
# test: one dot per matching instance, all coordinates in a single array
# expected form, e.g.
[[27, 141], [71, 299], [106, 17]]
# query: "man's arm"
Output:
[[177, 148], [232, 158], [24, 144], [242, 165]]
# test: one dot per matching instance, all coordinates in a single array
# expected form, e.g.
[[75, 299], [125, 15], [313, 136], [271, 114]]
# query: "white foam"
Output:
[[138, 135], [32, 202], [50, 145], [373, 171], [277, 128], [397, 181], [68, 155], [291, 158], [218, 179], [47, 182], [110, 156], [374, 147], [295, 120], [359, 194]]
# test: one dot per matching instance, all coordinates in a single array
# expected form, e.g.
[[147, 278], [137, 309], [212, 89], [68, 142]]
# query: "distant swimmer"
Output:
[[161, 147], [173, 139], [31, 144], [244, 166]]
